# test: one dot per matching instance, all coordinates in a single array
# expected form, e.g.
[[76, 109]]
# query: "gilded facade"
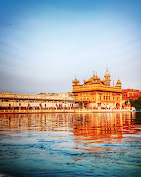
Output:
[[97, 93]]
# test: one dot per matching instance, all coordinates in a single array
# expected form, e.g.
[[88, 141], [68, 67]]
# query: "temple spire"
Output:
[[107, 78], [93, 73]]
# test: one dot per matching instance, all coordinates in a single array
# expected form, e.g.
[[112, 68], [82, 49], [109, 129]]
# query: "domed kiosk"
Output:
[[75, 81], [118, 84], [107, 78]]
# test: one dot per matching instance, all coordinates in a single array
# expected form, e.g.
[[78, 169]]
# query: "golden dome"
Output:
[[118, 82], [95, 77], [107, 73]]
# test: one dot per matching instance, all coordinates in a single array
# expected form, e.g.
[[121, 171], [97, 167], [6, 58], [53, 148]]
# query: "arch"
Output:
[[98, 104], [117, 105]]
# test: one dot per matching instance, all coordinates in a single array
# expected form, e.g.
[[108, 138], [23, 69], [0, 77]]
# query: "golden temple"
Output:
[[97, 93]]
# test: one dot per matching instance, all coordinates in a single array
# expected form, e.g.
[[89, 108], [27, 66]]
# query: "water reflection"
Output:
[[92, 126], [106, 144]]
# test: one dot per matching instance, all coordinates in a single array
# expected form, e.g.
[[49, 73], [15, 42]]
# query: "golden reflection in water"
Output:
[[90, 126], [37, 122], [93, 130], [101, 125], [90, 130]]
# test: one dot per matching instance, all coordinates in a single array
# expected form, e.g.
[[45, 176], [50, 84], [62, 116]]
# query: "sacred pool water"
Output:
[[65, 144]]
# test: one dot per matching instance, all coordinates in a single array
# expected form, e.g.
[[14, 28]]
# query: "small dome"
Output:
[[118, 82], [107, 73]]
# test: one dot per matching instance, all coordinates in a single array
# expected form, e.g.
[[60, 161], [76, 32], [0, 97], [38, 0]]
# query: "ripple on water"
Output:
[[71, 145]]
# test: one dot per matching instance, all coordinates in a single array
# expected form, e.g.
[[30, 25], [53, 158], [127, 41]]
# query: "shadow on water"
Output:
[[80, 144]]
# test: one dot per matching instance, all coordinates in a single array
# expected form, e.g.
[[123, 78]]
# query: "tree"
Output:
[[136, 103]]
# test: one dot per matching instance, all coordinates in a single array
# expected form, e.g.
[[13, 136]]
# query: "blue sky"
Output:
[[45, 43]]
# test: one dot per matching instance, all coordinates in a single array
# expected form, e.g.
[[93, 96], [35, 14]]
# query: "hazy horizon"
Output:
[[45, 44]]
